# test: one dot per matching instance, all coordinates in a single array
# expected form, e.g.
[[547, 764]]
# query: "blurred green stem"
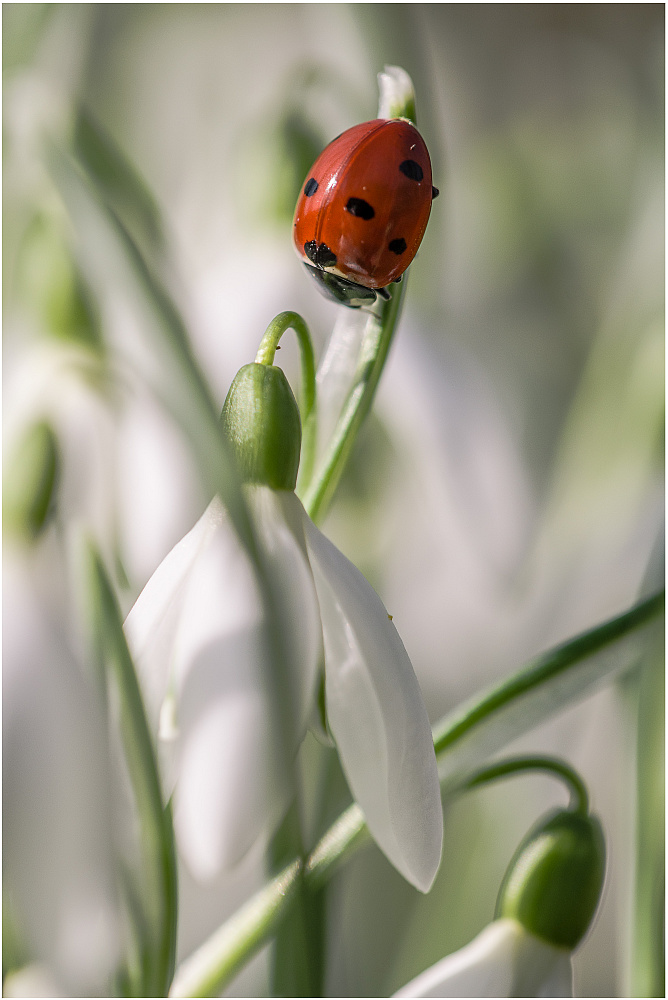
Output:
[[159, 899], [299, 948], [213, 965], [647, 945]]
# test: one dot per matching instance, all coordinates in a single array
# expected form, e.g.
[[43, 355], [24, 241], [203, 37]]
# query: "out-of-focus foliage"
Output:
[[506, 493]]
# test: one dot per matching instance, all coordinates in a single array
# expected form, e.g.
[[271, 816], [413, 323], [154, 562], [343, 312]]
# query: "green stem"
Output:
[[265, 356], [647, 943], [381, 328], [155, 821], [544, 668], [520, 765], [218, 960], [298, 955], [267, 349], [262, 915]]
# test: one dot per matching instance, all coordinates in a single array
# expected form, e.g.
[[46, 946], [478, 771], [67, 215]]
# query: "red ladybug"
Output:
[[363, 210]]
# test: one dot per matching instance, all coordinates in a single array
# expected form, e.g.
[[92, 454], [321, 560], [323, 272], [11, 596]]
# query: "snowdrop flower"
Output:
[[549, 896], [198, 634], [58, 856]]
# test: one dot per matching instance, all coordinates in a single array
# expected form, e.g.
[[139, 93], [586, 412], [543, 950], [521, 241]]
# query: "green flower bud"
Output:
[[30, 482], [553, 884], [261, 421]]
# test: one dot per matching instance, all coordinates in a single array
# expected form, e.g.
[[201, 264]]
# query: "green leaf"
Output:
[[113, 263], [158, 900], [486, 723], [117, 179]]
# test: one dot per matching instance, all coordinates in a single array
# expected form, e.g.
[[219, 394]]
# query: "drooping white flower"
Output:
[[58, 854], [504, 960], [197, 633]]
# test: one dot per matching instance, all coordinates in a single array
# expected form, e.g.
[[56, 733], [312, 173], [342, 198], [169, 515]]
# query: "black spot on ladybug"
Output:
[[319, 254], [360, 208], [435, 192], [397, 246], [310, 187], [412, 170]]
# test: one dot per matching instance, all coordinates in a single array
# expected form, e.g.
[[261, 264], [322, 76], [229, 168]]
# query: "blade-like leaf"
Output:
[[485, 724], [159, 899]]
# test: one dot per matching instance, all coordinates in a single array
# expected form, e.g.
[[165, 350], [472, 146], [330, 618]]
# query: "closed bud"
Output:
[[261, 421], [554, 882], [30, 482]]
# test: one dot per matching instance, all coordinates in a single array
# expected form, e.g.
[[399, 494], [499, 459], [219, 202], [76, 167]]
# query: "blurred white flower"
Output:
[[504, 960], [31, 981], [197, 633], [58, 860]]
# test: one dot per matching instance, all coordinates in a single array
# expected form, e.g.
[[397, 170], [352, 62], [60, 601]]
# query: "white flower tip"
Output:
[[421, 869], [396, 94], [504, 960]]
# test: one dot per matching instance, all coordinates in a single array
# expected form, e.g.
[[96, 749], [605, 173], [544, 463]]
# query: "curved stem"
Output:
[[520, 765], [265, 356]]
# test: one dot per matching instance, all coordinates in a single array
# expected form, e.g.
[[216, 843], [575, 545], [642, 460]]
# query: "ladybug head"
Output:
[[345, 292]]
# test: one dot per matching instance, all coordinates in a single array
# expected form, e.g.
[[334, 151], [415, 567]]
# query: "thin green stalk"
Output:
[[159, 899], [647, 944], [263, 914], [219, 959], [265, 356], [212, 967], [544, 668], [520, 765], [380, 332]]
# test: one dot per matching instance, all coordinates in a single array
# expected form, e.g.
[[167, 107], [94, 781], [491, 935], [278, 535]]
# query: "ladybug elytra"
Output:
[[363, 210]]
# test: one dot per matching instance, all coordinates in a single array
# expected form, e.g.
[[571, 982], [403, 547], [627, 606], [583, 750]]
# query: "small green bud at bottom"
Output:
[[30, 482], [262, 424], [554, 882]]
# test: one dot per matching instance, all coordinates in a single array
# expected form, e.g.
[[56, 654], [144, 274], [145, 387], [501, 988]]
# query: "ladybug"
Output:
[[363, 210]]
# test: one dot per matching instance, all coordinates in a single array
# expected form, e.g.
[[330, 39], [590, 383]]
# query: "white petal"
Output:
[[279, 520], [502, 961], [377, 716], [199, 637], [233, 784], [154, 621]]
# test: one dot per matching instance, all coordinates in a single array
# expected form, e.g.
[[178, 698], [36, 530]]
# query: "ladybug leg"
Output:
[[383, 292]]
